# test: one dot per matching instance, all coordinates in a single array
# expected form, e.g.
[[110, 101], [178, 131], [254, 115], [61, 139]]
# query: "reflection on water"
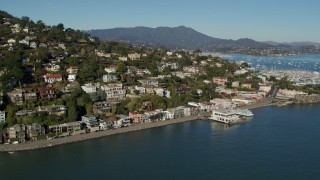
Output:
[[217, 126]]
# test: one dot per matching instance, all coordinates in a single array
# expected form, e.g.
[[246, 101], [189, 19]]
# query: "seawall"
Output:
[[30, 145]]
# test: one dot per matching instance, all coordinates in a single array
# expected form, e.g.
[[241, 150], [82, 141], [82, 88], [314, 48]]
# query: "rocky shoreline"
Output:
[[81, 137]]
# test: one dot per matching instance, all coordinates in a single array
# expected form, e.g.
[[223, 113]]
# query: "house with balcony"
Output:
[[114, 92], [102, 108], [90, 121], [65, 127], [90, 87]]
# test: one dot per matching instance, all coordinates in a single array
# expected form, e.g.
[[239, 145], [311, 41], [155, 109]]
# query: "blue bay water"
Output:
[[278, 143], [305, 62]]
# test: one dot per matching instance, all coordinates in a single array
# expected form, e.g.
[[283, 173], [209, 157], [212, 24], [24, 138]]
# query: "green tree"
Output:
[[72, 110], [11, 110], [121, 68]]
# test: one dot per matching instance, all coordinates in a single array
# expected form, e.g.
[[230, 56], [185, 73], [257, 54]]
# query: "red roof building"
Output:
[[51, 78]]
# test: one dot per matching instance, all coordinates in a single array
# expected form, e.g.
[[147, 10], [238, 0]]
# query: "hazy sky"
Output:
[[276, 20]]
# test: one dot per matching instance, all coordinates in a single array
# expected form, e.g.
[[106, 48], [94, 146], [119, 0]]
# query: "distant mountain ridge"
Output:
[[180, 37], [306, 43]]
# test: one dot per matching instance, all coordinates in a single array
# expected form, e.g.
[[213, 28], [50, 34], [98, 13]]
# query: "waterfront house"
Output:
[[153, 116], [47, 92], [65, 127], [17, 131], [51, 78], [125, 120], [90, 121], [136, 117], [33, 131]]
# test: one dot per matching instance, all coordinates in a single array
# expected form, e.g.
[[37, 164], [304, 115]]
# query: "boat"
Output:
[[11, 152], [230, 116]]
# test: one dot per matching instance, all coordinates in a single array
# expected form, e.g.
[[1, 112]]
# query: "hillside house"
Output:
[[47, 93], [51, 78], [16, 96], [220, 80], [54, 109], [134, 56]]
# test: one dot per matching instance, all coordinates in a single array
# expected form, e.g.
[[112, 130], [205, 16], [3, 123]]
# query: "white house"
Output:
[[114, 91], [111, 69], [11, 41], [72, 77], [90, 121], [109, 78], [124, 119], [240, 71], [162, 92], [90, 87], [33, 45], [123, 58]]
